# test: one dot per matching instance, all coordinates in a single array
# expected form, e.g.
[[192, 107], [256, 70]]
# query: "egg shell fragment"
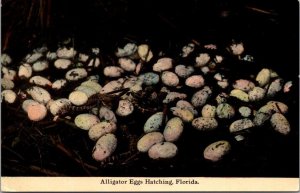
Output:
[[9, 96], [280, 123], [162, 64], [244, 85], [8, 73], [169, 78], [163, 150], [40, 66], [172, 96], [144, 52], [112, 86], [58, 84], [100, 129], [200, 97], [86, 121], [205, 123], [125, 108], [105, 114], [31, 58], [113, 71], [237, 48], [5, 59], [39, 94], [105, 146], [7, 84], [202, 59], [217, 150], [184, 71], [225, 111], [25, 71], [240, 124], [148, 140], [173, 129], [208, 111], [275, 87], [195, 81], [129, 49], [153, 122]]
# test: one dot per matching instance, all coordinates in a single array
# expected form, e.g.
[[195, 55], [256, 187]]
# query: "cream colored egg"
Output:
[[148, 140], [86, 121]]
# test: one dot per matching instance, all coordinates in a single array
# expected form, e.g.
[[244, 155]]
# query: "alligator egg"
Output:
[[102, 128], [195, 81], [125, 108], [9, 96], [36, 112], [173, 129], [162, 65], [86, 121], [169, 78], [148, 140], [205, 123], [217, 150], [154, 122], [105, 146], [163, 150]]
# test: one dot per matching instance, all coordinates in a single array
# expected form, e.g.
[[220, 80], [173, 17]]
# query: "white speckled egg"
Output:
[[217, 150], [76, 74], [113, 71], [163, 150], [39, 94], [144, 52], [78, 97], [58, 84], [245, 111], [185, 114], [280, 123], [225, 111], [202, 59], [56, 105], [27, 103], [244, 85], [200, 97], [256, 94], [105, 146], [40, 66], [86, 121], [128, 50], [149, 78], [169, 78], [173, 129], [186, 105], [153, 122], [40, 81], [7, 84], [62, 63], [208, 111], [275, 87], [92, 84], [240, 124], [25, 71], [263, 77], [9, 96], [239, 94], [195, 81], [125, 108], [106, 114], [148, 140], [205, 123], [102, 128], [278, 107], [184, 71], [66, 53], [127, 64], [162, 64], [112, 86], [87, 90], [36, 112]]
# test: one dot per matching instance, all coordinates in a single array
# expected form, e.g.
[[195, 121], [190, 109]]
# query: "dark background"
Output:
[[269, 30]]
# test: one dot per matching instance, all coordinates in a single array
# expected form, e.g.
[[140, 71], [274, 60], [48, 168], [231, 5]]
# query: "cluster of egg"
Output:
[[191, 107]]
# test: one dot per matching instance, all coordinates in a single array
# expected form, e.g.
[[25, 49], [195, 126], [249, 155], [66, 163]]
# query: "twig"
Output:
[[44, 171]]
